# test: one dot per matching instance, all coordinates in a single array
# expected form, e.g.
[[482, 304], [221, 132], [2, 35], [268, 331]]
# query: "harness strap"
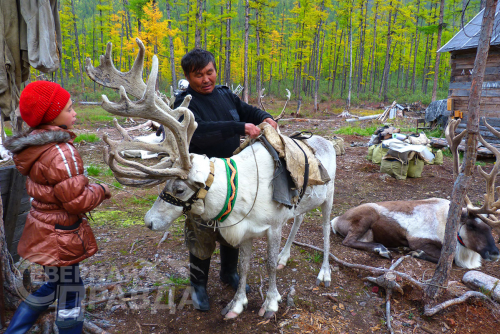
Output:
[[200, 194], [460, 241], [232, 189]]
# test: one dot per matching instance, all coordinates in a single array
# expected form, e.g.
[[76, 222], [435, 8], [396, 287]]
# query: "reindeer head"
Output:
[[478, 221], [179, 123]]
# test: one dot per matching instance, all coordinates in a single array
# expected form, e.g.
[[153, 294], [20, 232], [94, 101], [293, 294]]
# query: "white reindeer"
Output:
[[254, 215]]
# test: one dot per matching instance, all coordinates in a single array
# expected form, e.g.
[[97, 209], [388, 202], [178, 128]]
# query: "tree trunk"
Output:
[[350, 63], [258, 79], [372, 74], [385, 73], [407, 74], [318, 75], [199, 19], [219, 77], [417, 39], [463, 180], [187, 25], [171, 48], [80, 67], [362, 51], [227, 65], [438, 55], [245, 74]]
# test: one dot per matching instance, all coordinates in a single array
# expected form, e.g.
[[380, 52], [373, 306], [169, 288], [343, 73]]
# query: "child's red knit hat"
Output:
[[41, 102]]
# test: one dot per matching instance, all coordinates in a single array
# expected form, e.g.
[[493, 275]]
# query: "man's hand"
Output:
[[252, 130], [272, 123]]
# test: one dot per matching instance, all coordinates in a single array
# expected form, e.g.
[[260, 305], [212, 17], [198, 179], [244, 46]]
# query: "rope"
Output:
[[112, 185]]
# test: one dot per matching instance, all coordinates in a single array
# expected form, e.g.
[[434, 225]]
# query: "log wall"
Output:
[[462, 63]]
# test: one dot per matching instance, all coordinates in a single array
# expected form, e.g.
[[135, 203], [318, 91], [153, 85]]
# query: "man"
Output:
[[222, 118]]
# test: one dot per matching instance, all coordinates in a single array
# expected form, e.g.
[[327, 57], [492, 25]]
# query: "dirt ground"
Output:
[[129, 253]]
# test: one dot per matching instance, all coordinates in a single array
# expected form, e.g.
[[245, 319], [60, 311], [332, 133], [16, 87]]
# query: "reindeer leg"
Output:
[[425, 249], [325, 272], [240, 301], [270, 305], [353, 242], [285, 253]]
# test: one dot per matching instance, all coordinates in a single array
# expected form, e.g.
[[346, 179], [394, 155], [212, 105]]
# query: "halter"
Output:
[[200, 194]]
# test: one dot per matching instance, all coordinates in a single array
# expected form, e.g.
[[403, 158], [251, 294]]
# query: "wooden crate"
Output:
[[16, 205]]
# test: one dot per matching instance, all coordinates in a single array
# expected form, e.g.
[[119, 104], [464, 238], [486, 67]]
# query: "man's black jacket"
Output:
[[221, 118]]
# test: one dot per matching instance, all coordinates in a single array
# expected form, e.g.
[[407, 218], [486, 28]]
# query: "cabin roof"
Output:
[[468, 36]]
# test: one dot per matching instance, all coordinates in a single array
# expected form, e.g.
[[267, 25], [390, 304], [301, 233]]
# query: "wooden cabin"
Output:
[[463, 48]]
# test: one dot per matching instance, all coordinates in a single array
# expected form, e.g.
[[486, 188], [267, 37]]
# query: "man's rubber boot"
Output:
[[199, 277], [77, 329], [229, 267], [23, 319]]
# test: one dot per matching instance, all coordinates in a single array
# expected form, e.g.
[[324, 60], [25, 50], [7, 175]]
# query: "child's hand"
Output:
[[107, 192]]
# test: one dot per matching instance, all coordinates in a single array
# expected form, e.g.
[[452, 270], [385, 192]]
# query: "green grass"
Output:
[[117, 185], [92, 114], [8, 131], [480, 163], [150, 199], [178, 281], [447, 152], [316, 257], [87, 137], [108, 172], [356, 129], [93, 170], [118, 218]]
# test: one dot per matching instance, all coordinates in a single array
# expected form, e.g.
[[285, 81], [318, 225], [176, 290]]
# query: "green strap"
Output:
[[224, 213]]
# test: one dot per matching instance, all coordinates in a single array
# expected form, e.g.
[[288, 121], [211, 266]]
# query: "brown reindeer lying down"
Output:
[[418, 225]]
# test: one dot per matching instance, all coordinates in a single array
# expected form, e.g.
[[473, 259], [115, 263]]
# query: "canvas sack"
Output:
[[370, 152], [394, 168], [338, 144], [378, 153], [438, 160], [415, 167]]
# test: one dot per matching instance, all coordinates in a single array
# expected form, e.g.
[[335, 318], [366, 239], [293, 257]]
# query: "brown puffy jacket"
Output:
[[56, 231]]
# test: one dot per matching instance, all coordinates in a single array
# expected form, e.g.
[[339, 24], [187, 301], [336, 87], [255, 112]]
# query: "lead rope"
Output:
[[214, 223]]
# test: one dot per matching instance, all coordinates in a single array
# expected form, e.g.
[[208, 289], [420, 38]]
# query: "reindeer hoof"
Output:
[[266, 314], [231, 315], [327, 284], [280, 266]]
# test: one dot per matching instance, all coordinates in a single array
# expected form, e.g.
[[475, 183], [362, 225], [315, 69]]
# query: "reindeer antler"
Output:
[[490, 207], [151, 107], [283, 111], [107, 75]]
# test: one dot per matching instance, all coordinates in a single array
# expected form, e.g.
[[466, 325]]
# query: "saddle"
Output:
[[296, 165]]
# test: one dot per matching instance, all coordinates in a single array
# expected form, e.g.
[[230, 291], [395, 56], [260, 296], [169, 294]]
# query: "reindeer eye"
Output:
[[179, 191]]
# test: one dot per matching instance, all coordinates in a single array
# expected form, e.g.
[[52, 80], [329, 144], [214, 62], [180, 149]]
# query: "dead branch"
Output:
[[133, 244], [102, 287], [92, 328], [374, 270], [430, 311], [388, 294], [121, 296], [165, 236]]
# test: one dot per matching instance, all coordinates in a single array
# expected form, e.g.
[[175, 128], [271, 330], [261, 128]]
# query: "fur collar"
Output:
[[22, 141]]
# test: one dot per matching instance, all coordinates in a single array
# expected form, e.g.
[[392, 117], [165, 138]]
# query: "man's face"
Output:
[[203, 81]]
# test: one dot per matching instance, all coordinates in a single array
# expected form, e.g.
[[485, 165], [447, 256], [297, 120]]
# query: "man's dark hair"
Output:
[[197, 59]]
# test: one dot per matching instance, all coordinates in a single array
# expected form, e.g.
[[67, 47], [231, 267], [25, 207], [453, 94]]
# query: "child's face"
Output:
[[66, 117]]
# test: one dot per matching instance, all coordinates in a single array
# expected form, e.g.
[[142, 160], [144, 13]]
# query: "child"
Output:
[[56, 234]]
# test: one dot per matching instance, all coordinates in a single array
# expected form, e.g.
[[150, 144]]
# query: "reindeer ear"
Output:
[[465, 213]]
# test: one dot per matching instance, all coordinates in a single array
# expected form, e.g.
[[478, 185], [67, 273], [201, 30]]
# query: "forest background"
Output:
[[304, 45]]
